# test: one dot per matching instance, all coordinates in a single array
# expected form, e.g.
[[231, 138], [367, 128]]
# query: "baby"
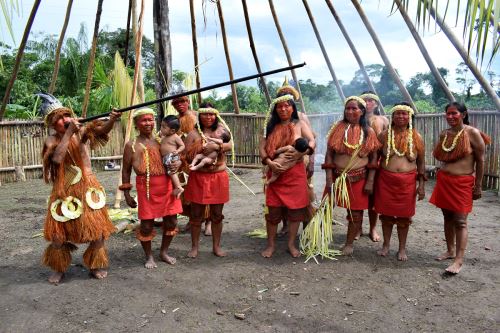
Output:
[[171, 146], [200, 160], [300, 145]]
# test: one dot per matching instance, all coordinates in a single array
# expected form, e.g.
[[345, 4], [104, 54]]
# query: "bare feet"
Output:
[[177, 192], [208, 229], [218, 252], [293, 251], [150, 263], [446, 255], [193, 253], [56, 277], [168, 259], [402, 255], [268, 252], [374, 236], [384, 251], [359, 234], [347, 250], [454, 268], [98, 273]]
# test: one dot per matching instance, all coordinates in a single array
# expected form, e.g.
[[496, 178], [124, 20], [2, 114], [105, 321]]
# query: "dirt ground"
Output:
[[351, 294]]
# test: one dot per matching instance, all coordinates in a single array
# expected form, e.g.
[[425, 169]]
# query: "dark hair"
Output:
[[216, 122], [461, 108], [413, 115], [377, 109], [301, 145], [226, 136], [172, 122], [362, 121], [275, 119]]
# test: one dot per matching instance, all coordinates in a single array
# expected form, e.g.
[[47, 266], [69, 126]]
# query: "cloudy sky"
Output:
[[391, 29]]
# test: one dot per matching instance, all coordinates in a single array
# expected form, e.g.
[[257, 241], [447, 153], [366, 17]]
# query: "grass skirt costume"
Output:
[[84, 197]]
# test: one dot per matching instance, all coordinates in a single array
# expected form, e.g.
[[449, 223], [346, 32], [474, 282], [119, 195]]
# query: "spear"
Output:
[[194, 91]]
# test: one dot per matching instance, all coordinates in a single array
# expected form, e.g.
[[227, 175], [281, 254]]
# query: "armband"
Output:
[[372, 166], [325, 166], [125, 187], [264, 160], [310, 151]]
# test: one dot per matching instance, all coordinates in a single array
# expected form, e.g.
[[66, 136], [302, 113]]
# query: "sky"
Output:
[[397, 41]]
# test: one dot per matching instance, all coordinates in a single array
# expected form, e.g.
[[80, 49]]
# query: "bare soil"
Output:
[[351, 294]]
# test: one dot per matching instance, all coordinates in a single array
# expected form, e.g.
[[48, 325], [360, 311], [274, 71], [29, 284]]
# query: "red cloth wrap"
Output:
[[207, 188], [396, 193], [453, 192], [161, 201], [358, 199], [290, 189]]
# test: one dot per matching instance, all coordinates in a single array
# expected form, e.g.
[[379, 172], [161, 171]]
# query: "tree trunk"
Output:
[[323, 50], [383, 55], [424, 52], [90, 70], [59, 46], [287, 53], [163, 52], [19, 57], [463, 53], [195, 49], [137, 76], [127, 33], [228, 58], [254, 52], [353, 49]]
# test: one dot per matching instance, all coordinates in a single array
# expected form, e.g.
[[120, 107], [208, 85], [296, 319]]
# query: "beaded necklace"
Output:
[[454, 142], [357, 145]]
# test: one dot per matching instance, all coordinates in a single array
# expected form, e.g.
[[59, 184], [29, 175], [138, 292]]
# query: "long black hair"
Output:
[[412, 116], [377, 109], [461, 108], [216, 122], [275, 119], [362, 121]]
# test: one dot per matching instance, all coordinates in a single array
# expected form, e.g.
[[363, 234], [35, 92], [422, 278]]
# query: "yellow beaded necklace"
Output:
[[454, 142], [357, 145]]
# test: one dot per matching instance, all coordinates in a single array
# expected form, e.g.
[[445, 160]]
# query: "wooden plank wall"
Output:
[[21, 142]]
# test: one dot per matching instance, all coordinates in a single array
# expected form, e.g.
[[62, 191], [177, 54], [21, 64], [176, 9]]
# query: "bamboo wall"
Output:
[[21, 142]]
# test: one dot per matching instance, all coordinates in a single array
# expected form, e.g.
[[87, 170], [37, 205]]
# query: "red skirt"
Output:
[[290, 189], [396, 193], [161, 201], [453, 192], [207, 188]]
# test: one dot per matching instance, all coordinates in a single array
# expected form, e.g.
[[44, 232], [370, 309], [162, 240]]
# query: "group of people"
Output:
[[370, 164]]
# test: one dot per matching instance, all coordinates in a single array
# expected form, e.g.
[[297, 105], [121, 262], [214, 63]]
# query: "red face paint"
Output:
[[207, 119], [454, 117], [352, 112], [284, 110]]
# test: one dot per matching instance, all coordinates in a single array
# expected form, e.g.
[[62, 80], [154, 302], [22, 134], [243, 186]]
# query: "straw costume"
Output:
[[76, 208]]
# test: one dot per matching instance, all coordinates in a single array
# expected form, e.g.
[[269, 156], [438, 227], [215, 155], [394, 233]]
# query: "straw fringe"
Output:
[[58, 258], [95, 258]]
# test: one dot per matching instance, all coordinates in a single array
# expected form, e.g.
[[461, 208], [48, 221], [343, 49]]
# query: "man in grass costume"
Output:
[[350, 163], [76, 207]]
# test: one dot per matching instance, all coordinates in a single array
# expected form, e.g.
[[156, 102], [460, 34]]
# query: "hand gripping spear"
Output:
[[194, 91]]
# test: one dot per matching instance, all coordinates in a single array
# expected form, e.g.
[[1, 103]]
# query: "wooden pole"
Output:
[[19, 57], [323, 50], [424, 52], [228, 58], [463, 53], [254, 52], [383, 55], [59, 46], [90, 69], [195, 48], [127, 33], [353, 50], [138, 48], [287, 53]]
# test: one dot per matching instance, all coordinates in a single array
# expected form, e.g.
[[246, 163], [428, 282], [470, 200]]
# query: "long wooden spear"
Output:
[[195, 91]]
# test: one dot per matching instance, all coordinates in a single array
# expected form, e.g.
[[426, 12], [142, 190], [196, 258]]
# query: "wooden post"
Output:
[[195, 49], [323, 50], [228, 58], [20, 175]]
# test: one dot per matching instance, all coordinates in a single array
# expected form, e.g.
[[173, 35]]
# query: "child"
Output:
[[300, 145], [170, 146], [200, 160]]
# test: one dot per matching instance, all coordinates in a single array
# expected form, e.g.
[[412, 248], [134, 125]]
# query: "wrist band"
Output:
[[372, 166], [125, 187], [325, 166], [422, 176]]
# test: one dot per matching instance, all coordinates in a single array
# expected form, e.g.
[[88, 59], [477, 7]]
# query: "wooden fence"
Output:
[[22, 141]]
